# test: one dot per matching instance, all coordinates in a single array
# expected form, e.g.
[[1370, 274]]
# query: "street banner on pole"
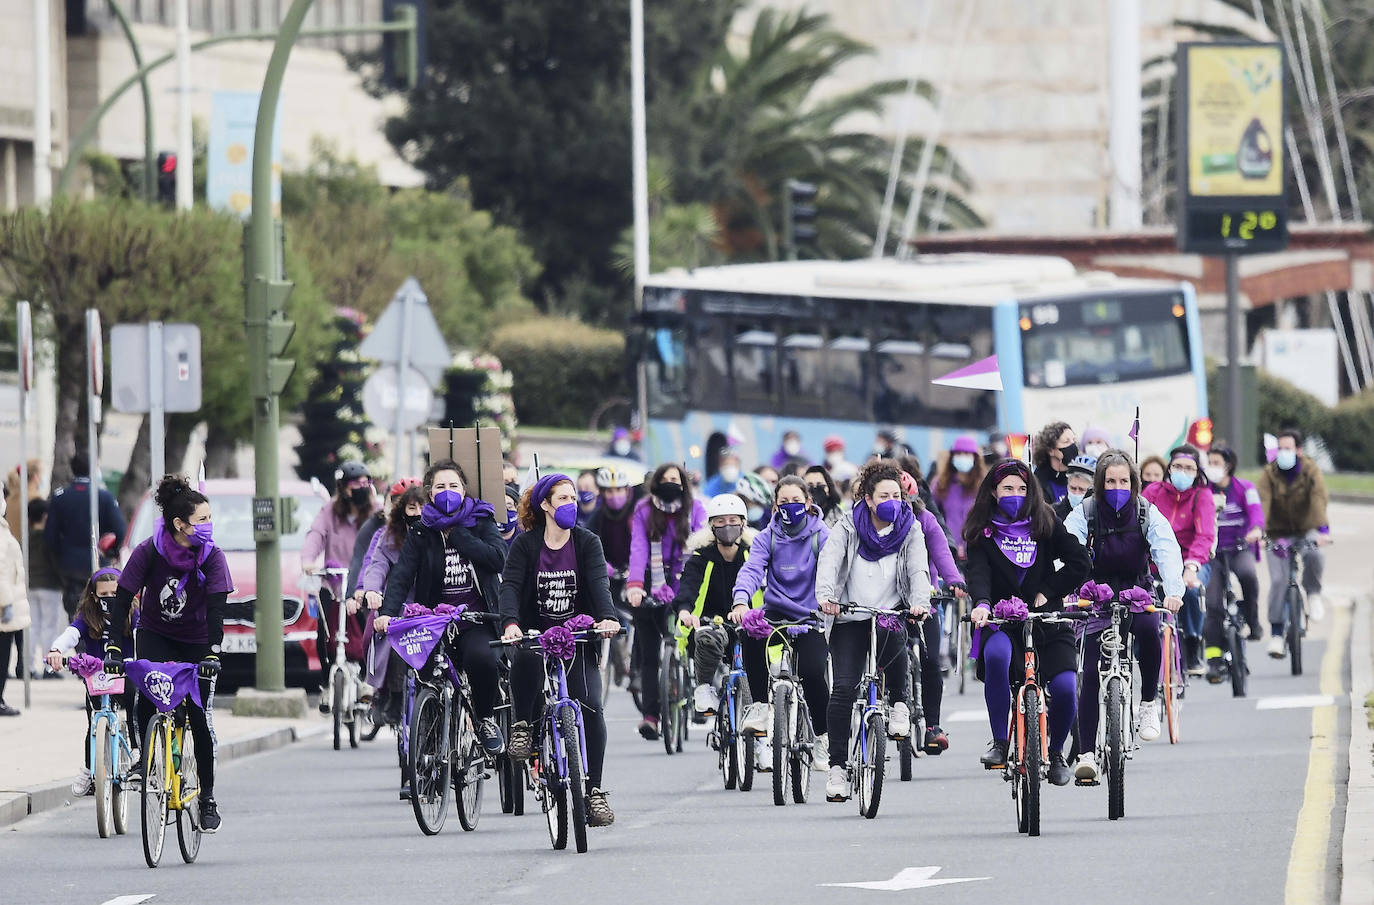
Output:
[[229, 170]]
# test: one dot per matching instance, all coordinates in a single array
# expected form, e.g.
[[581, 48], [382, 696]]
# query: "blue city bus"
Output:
[[744, 353]]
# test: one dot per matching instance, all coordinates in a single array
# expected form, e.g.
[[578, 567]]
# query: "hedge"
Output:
[[563, 369], [1350, 439]]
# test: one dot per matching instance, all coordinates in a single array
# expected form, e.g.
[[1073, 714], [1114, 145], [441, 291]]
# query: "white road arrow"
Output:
[[909, 878]]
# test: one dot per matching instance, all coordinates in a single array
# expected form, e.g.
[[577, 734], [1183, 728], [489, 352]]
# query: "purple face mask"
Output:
[[586, 497], [887, 510], [1011, 504], [565, 516], [448, 501], [202, 534], [793, 513], [1117, 497]]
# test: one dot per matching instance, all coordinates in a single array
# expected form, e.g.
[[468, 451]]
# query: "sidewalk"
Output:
[[1357, 846], [41, 749]]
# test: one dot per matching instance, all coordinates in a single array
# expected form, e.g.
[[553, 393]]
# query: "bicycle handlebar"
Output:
[[1089, 604], [1046, 616], [531, 637]]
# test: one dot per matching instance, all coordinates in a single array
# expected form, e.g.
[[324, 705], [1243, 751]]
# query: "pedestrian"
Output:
[[1096, 441], [622, 445], [68, 530], [45, 587], [769, 475], [1152, 470], [12, 487], [726, 476], [14, 608], [889, 445], [1055, 447]]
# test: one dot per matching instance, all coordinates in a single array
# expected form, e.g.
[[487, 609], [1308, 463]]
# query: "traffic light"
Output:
[[167, 178], [799, 216], [268, 327]]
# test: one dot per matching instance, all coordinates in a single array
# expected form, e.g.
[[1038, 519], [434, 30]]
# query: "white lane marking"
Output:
[[967, 716], [1294, 701], [909, 878], [130, 900]]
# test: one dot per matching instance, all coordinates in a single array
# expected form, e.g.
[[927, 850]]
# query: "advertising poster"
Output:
[[1235, 120]]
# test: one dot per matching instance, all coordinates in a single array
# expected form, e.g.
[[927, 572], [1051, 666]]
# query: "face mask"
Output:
[[616, 499], [1181, 481], [565, 516], [1011, 504], [887, 510], [448, 501], [820, 495], [754, 514], [202, 534], [1286, 459], [360, 496], [963, 462], [1215, 473], [729, 474], [833, 459], [1095, 449], [1117, 497], [1070, 453], [792, 447], [1075, 499], [412, 520], [727, 535], [586, 497], [621, 447], [669, 493], [792, 513]]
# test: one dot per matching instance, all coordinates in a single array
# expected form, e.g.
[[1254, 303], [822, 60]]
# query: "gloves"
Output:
[[664, 594], [114, 661], [209, 667]]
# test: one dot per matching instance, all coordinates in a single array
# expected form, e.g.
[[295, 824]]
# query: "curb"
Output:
[[1356, 499], [1357, 845], [24, 803]]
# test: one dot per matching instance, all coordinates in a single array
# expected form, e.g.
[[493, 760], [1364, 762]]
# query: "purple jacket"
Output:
[[942, 563], [1238, 511], [956, 502], [673, 555], [785, 567]]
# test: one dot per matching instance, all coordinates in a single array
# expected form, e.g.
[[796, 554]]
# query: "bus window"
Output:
[[710, 371], [902, 382], [666, 372], [1093, 344], [754, 366], [848, 368], [803, 375]]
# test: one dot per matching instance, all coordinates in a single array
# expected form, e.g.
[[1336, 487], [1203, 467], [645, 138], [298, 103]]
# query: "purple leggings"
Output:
[[1062, 694], [1148, 653]]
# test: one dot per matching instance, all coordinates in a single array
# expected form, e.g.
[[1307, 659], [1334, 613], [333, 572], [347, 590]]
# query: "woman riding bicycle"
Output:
[[182, 581], [1240, 525], [824, 494], [875, 558], [782, 563], [388, 673], [1186, 501], [1013, 541], [557, 570], [1124, 535], [957, 483], [455, 556], [659, 530]]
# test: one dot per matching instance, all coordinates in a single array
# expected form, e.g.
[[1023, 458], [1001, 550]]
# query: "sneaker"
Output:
[[83, 784], [837, 785], [1085, 771], [209, 815], [996, 756], [935, 740], [521, 744], [599, 811], [1316, 607], [489, 734], [899, 721], [1276, 647], [1147, 726], [1059, 771], [1216, 668], [648, 728], [820, 751], [758, 719], [705, 699]]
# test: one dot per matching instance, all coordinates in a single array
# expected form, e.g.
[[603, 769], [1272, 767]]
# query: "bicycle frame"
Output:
[[107, 713], [1018, 714], [556, 701], [1116, 660]]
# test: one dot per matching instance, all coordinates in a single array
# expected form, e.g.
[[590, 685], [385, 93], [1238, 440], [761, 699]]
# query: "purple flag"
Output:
[[165, 684], [415, 639]]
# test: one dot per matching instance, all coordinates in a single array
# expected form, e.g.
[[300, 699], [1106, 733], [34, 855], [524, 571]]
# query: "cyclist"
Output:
[[956, 484], [1186, 501], [1096, 441], [331, 539], [87, 632], [612, 525], [1293, 494], [768, 474], [587, 497], [510, 528], [708, 580], [388, 673], [875, 559], [783, 566], [1055, 448], [1081, 477], [455, 556], [1013, 542], [363, 544], [1152, 469], [1124, 535], [557, 570], [820, 487], [182, 581], [659, 530], [757, 494], [726, 476], [1240, 523]]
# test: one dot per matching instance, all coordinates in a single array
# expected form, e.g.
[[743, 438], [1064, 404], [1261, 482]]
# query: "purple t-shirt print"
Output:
[[161, 608], [460, 581], [555, 584]]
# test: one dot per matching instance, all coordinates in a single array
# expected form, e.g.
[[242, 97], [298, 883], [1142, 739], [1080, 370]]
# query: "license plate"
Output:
[[239, 644]]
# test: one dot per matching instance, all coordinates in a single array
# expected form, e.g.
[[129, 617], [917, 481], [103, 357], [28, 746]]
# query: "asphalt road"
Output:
[[1212, 819]]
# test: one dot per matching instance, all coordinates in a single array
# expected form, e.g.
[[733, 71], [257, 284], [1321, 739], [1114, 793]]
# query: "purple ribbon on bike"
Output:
[[558, 642], [165, 684], [1013, 609], [414, 638], [84, 665], [1138, 598], [755, 625]]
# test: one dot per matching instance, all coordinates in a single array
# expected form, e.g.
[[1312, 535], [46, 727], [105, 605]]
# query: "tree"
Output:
[[680, 235]]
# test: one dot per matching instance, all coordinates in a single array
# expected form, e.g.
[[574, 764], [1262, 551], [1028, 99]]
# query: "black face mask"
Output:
[[728, 535], [1070, 453], [360, 496], [412, 520], [105, 604], [668, 493], [820, 495]]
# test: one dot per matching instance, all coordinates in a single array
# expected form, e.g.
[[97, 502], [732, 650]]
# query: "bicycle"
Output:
[[1028, 732], [918, 652], [869, 721], [794, 738], [510, 775], [171, 784], [1295, 604], [341, 693], [675, 685], [443, 750], [734, 749], [1234, 630], [559, 767], [615, 654], [1173, 678], [111, 756]]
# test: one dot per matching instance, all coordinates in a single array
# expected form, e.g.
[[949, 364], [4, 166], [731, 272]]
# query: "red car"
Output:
[[231, 504]]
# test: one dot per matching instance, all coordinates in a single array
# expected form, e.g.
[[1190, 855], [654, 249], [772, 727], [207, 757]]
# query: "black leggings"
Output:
[[810, 657], [584, 687], [932, 679], [8, 640], [647, 656], [474, 655], [848, 656], [161, 649]]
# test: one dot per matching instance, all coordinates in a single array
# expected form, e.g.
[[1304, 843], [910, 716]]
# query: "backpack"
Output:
[[1090, 514]]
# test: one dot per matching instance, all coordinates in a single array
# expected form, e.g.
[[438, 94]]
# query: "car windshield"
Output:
[[232, 514]]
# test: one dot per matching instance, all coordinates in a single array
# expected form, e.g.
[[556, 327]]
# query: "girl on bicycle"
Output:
[[182, 581], [1185, 498], [659, 529], [455, 556], [85, 635], [1013, 541], [388, 673], [557, 570], [876, 558], [330, 540], [1124, 535], [782, 563]]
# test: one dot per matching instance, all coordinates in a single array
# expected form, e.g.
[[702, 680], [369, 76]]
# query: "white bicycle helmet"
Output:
[[725, 504], [608, 478]]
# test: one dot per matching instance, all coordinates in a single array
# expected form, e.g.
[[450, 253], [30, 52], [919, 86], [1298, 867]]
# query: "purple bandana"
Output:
[[872, 547], [165, 684], [415, 638], [468, 512], [1014, 540], [183, 560]]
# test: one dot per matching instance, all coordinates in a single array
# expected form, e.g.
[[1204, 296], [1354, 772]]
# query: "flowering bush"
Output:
[[477, 389]]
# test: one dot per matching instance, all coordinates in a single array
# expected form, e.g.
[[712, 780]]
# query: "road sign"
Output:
[[406, 404], [417, 340], [130, 371]]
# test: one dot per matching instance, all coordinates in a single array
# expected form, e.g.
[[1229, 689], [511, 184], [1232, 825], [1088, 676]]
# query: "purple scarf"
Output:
[[1014, 540], [469, 511], [183, 560], [871, 546], [165, 684]]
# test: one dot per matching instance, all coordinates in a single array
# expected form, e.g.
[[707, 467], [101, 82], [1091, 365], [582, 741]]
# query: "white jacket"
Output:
[[12, 587]]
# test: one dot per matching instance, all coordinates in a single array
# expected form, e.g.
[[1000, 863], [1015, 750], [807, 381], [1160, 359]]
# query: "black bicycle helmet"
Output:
[[351, 471]]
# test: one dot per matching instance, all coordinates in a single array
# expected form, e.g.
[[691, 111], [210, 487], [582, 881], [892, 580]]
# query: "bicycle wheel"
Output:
[[965, 647], [577, 784], [906, 748], [668, 694], [729, 753], [336, 696], [428, 768], [123, 760], [1031, 763], [781, 740], [553, 794], [103, 778], [188, 815], [1236, 642], [154, 794], [872, 766], [1294, 631], [1114, 764], [469, 768], [802, 752], [684, 684], [605, 669], [356, 713], [1170, 674]]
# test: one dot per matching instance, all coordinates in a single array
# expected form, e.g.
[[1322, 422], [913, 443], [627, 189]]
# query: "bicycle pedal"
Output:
[[1086, 782]]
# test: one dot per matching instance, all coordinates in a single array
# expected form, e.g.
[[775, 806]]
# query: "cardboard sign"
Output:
[[478, 453]]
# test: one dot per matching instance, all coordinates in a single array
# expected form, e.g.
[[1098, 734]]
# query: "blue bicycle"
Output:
[[111, 755], [734, 748]]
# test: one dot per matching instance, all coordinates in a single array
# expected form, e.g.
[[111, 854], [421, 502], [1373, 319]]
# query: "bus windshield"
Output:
[[1076, 342]]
